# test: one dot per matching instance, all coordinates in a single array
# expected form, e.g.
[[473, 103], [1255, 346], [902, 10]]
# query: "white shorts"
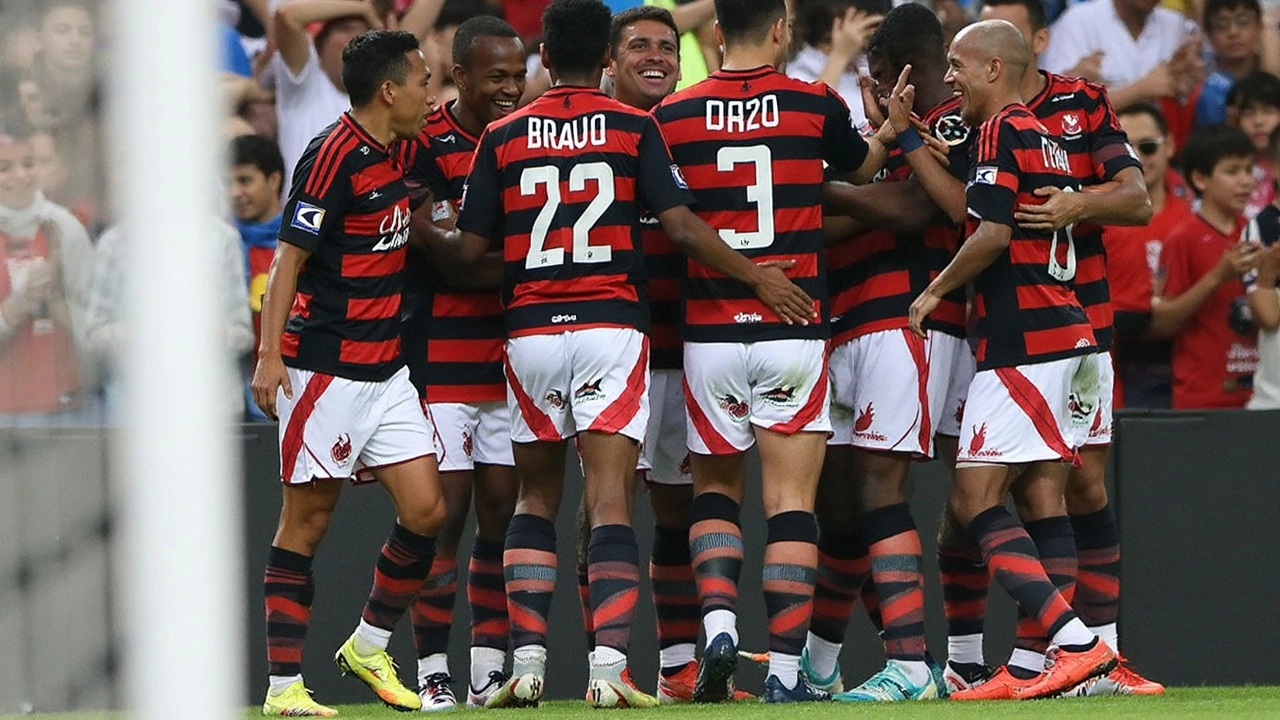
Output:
[[335, 428], [1100, 427], [963, 367], [664, 457], [880, 397], [595, 379], [470, 433], [1029, 413], [778, 385]]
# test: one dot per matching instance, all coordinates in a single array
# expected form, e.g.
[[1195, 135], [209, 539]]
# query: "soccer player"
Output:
[[752, 144], [329, 367], [561, 183], [889, 387], [454, 349], [1030, 404]]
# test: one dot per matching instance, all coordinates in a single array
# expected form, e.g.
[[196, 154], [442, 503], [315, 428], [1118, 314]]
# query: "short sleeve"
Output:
[[481, 211], [317, 200], [1108, 143], [842, 147], [992, 191], [1175, 265], [661, 184]]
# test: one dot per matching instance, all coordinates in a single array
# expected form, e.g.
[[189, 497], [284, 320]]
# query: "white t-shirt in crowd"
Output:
[[1266, 379], [306, 103], [808, 65], [1094, 25]]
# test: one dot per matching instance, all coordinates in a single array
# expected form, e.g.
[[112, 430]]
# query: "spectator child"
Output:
[[1235, 32], [1263, 291], [1258, 115], [1203, 306]]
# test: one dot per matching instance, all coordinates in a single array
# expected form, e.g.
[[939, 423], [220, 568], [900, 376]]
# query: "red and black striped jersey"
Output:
[[349, 207], [563, 181], [1078, 113], [453, 340], [1026, 307], [666, 267], [875, 276], [751, 145]]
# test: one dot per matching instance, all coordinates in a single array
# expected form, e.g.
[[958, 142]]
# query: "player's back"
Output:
[[751, 145], [569, 173], [1026, 305]]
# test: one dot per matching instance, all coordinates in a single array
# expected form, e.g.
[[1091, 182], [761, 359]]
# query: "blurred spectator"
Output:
[[1140, 51], [835, 32], [1241, 45], [1203, 306], [257, 173], [47, 260], [19, 37], [1257, 113], [699, 54], [308, 70], [1263, 289], [108, 333], [65, 65], [1144, 376], [526, 17]]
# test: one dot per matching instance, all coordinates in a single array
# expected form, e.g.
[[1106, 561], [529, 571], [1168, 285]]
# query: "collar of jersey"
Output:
[[362, 133], [746, 74]]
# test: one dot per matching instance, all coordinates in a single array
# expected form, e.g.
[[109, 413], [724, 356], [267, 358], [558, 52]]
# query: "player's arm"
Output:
[[290, 21], [421, 16], [838, 228], [871, 159], [939, 183], [902, 207], [692, 15], [282, 286], [1172, 312], [432, 228], [978, 252], [480, 217]]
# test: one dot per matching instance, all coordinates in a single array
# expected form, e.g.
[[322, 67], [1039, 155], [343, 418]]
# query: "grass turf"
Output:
[[1213, 702]]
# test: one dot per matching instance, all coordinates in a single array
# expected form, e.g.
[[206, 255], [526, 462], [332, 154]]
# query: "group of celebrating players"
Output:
[[684, 275]]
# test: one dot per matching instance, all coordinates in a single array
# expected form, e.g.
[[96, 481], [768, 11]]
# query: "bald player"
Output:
[[1029, 405]]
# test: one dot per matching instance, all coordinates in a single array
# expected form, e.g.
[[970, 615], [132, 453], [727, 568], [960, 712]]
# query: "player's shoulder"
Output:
[[1066, 88]]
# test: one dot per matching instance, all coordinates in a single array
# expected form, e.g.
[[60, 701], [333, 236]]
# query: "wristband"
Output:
[[909, 140]]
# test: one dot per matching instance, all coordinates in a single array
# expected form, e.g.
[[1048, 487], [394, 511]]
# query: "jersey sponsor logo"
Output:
[[951, 130], [1060, 98], [743, 318], [450, 138], [986, 175], [977, 445], [647, 219], [736, 408], [576, 134], [678, 177], [862, 426], [561, 319], [308, 217], [440, 211], [589, 391], [555, 399], [743, 115], [1070, 125], [394, 230], [375, 195], [341, 449], [1053, 154]]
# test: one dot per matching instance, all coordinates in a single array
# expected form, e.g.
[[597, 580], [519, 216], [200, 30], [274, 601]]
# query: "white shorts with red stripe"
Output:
[[778, 385], [664, 458], [470, 433], [335, 428], [1029, 413], [1100, 427], [953, 380], [880, 396], [582, 380]]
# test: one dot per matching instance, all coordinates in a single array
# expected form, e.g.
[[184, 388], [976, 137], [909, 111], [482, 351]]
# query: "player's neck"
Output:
[[748, 57], [376, 124], [588, 80], [1032, 83], [639, 102], [466, 118], [1000, 101], [1222, 219]]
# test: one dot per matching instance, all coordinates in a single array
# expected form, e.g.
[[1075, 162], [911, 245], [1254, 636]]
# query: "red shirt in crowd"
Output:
[[1216, 352], [1133, 255]]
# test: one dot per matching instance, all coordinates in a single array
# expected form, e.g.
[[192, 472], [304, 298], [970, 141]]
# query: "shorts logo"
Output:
[[341, 449], [986, 175], [555, 399], [308, 217], [862, 426], [589, 391], [467, 443], [960, 412], [783, 395], [978, 441], [735, 407], [1080, 410], [686, 465], [1096, 430]]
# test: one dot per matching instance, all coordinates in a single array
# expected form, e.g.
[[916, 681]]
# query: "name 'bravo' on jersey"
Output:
[[563, 181], [349, 208]]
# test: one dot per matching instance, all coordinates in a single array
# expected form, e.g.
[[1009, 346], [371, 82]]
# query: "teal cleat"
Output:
[[892, 684]]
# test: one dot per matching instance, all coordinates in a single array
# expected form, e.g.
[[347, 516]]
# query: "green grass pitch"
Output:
[[1215, 702]]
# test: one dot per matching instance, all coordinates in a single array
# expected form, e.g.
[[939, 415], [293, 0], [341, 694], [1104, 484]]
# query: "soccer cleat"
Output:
[[833, 684], [1067, 669], [295, 701], [1122, 680], [377, 671], [776, 692], [999, 686], [523, 690], [610, 686], [958, 677], [436, 693], [935, 671], [677, 688], [892, 684], [715, 672], [477, 698]]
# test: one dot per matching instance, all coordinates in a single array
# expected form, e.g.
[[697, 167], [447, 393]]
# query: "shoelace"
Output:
[[439, 684], [1125, 675], [883, 683]]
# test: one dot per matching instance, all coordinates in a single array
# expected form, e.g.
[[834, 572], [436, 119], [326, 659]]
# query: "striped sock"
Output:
[[843, 565], [965, 582], [894, 546], [1098, 587], [614, 572], [675, 596], [790, 568], [487, 596], [289, 588], [1055, 542], [715, 544], [432, 612], [529, 569], [398, 577]]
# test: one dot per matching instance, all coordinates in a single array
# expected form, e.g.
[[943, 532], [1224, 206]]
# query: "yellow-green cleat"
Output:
[[295, 701], [377, 671]]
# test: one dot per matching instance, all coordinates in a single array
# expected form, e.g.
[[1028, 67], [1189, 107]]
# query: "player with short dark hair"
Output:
[[752, 144], [453, 343], [1030, 404], [329, 365], [561, 182]]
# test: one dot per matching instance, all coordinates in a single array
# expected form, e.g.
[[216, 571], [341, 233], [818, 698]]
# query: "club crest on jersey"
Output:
[[951, 130], [735, 407], [341, 449], [986, 175], [1070, 124], [308, 217], [678, 177]]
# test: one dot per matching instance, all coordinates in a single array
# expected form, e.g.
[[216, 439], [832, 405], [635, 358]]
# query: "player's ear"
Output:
[[719, 36], [1039, 41], [459, 75], [275, 180]]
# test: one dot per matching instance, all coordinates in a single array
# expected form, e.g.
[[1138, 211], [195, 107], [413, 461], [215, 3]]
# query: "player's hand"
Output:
[[870, 103], [1236, 261], [268, 377], [920, 310], [1058, 211], [850, 33], [1089, 67], [1269, 261], [900, 102], [783, 297]]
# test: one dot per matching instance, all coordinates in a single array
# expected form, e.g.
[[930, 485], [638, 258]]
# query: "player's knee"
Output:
[[1086, 496], [303, 531], [426, 516]]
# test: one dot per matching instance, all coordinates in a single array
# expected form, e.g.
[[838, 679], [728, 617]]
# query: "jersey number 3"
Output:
[[541, 256], [759, 192]]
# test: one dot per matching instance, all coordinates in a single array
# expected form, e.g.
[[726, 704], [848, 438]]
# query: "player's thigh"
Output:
[[717, 390], [790, 391], [949, 388], [841, 374], [401, 456], [609, 382], [890, 396], [538, 391], [491, 444], [324, 427], [664, 457], [456, 429], [1017, 415]]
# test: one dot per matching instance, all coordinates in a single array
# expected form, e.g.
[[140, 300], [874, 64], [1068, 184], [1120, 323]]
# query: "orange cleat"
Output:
[[1069, 669], [1000, 686], [1122, 680]]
